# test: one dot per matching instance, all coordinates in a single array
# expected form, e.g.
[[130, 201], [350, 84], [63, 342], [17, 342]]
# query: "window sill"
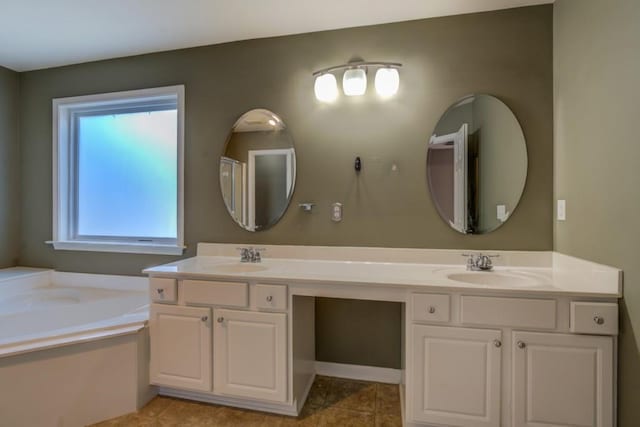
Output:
[[121, 247]]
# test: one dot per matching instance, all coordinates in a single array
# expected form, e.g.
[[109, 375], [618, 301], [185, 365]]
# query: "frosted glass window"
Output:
[[127, 174], [118, 172]]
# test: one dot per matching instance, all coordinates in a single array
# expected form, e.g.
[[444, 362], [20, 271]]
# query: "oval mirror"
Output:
[[258, 170], [477, 164]]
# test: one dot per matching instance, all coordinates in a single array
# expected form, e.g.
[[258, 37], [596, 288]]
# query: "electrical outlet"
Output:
[[562, 210], [501, 213], [336, 212]]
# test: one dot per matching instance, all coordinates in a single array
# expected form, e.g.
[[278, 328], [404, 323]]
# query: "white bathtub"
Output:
[[44, 308], [73, 347]]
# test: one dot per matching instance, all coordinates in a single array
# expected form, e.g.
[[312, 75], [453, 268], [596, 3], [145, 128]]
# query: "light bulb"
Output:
[[326, 88], [387, 82], [354, 82]]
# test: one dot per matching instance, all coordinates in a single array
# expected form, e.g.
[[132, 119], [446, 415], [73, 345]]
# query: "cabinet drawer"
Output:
[[271, 297], [214, 293], [594, 318], [430, 307], [163, 290], [515, 312]]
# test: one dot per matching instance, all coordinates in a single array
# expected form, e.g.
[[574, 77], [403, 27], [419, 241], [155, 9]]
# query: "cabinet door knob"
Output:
[[521, 344], [497, 343], [220, 319], [204, 318], [598, 319], [432, 309], [269, 298], [160, 290]]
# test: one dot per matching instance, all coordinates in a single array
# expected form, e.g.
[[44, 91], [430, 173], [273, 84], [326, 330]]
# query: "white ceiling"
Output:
[[38, 34]]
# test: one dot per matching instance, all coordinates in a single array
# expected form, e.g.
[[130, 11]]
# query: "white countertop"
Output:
[[565, 275]]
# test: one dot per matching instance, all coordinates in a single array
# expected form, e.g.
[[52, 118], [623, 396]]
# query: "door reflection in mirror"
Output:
[[477, 164], [258, 170]]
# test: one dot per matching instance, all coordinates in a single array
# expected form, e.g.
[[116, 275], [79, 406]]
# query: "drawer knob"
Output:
[[432, 309], [160, 291], [220, 319], [497, 343], [204, 318], [521, 344], [269, 298], [599, 320]]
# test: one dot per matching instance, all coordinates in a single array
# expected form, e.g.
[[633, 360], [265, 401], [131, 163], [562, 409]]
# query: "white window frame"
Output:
[[63, 182]]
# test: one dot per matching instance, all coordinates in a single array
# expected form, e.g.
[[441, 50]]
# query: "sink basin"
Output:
[[240, 268], [491, 278]]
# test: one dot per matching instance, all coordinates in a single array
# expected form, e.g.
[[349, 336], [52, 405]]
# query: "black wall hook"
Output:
[[358, 164]]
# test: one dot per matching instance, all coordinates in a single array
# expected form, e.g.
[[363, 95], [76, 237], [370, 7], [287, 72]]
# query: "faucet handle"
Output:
[[244, 254], [257, 254], [484, 263]]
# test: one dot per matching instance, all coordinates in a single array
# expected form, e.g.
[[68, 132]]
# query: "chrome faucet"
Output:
[[250, 254], [479, 262]]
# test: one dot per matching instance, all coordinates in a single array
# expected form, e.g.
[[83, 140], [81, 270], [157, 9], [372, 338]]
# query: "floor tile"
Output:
[[309, 417], [386, 420], [318, 393], [353, 395], [388, 399], [338, 417], [331, 402], [188, 414], [156, 406]]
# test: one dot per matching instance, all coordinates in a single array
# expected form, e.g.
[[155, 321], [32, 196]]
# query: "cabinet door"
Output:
[[250, 357], [456, 376], [180, 346], [562, 380]]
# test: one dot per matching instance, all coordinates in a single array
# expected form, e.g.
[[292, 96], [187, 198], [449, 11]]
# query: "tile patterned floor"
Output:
[[331, 402]]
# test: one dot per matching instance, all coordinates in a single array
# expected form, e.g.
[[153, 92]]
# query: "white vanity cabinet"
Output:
[[535, 348], [500, 360], [582, 398], [180, 346], [250, 358], [457, 376], [222, 342]]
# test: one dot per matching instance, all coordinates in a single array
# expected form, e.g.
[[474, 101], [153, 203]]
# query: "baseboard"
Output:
[[244, 403], [300, 403], [359, 372]]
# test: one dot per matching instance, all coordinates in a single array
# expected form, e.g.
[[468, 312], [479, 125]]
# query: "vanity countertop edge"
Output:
[[565, 276]]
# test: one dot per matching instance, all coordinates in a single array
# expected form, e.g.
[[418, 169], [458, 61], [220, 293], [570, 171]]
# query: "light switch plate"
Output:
[[562, 210]]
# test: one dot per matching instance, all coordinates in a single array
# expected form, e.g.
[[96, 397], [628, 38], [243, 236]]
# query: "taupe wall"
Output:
[[505, 53], [597, 156], [9, 168]]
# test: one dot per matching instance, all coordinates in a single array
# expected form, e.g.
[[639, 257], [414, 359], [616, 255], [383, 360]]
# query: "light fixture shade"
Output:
[[387, 82], [354, 82], [326, 87]]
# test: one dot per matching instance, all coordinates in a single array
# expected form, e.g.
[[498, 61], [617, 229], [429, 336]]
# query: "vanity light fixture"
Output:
[[354, 80], [326, 87], [387, 82]]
